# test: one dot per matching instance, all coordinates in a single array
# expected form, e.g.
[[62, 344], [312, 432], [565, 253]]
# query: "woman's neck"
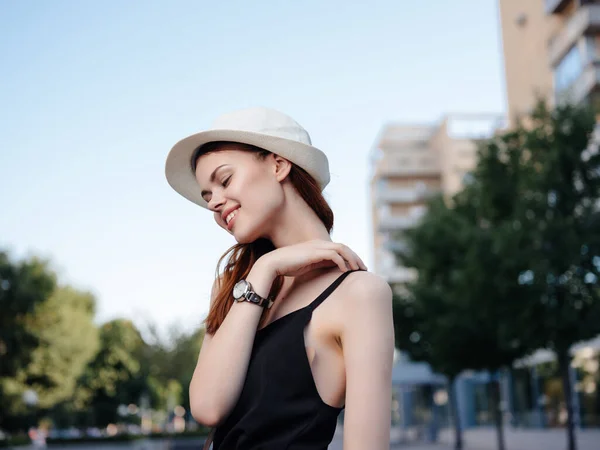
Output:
[[296, 222]]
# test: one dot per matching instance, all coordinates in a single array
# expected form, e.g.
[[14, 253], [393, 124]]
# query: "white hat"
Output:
[[261, 127]]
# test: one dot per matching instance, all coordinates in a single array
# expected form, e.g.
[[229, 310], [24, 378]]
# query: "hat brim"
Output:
[[180, 176]]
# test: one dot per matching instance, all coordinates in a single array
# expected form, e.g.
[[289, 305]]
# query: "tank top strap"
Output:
[[327, 292]]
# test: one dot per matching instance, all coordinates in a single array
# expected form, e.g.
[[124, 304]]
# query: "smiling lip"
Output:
[[229, 211], [230, 224]]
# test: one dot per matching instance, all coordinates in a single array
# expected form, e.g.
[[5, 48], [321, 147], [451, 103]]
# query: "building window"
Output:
[[385, 212], [418, 211], [568, 70], [382, 184]]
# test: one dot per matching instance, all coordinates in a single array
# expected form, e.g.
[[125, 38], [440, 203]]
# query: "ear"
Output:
[[281, 167]]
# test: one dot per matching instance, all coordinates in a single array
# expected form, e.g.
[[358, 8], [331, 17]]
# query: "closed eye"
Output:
[[224, 183]]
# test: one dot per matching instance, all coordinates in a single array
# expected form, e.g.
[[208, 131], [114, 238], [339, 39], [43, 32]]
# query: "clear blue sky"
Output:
[[94, 94]]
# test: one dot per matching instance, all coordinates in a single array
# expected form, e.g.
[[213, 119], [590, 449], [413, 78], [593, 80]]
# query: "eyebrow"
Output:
[[213, 175]]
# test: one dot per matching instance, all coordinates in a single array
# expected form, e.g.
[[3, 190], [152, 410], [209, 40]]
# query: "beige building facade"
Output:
[[410, 164], [551, 48]]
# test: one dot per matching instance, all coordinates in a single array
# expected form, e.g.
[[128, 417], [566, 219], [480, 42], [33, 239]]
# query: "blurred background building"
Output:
[[551, 49], [412, 163]]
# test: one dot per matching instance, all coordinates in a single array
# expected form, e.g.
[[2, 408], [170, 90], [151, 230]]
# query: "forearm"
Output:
[[222, 366]]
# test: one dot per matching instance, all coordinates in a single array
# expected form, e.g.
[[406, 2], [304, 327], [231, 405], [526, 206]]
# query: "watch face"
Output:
[[239, 289]]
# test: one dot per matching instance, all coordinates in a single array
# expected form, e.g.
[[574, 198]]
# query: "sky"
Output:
[[94, 94]]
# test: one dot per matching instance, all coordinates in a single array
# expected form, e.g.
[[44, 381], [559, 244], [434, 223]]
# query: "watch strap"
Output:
[[253, 297]]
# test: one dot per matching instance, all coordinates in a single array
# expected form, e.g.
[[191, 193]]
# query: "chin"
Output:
[[246, 235]]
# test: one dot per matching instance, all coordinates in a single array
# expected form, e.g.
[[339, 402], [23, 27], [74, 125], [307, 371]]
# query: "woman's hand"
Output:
[[298, 259]]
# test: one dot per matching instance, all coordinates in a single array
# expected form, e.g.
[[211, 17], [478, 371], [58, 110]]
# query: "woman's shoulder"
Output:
[[362, 282], [363, 286], [370, 278], [361, 289], [363, 302]]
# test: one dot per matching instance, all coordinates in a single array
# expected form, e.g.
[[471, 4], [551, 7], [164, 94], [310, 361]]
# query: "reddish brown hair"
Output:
[[241, 257]]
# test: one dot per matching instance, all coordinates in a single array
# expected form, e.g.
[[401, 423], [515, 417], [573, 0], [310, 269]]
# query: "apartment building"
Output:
[[410, 164], [552, 49]]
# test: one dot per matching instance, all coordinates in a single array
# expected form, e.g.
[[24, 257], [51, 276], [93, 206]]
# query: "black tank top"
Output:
[[279, 407]]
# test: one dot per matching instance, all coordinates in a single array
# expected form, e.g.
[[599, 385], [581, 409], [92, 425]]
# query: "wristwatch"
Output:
[[242, 292]]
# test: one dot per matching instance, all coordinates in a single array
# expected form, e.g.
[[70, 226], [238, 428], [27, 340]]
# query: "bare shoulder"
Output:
[[367, 286], [365, 299]]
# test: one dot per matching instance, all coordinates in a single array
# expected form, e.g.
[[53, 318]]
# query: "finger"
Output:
[[324, 264], [362, 265], [334, 256], [352, 260], [358, 260], [349, 256]]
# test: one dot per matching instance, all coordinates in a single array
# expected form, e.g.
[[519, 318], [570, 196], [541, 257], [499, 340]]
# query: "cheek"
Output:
[[219, 221], [268, 200]]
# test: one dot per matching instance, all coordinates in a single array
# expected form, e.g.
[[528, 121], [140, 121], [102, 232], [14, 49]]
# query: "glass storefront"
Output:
[[522, 398], [544, 385], [552, 398], [482, 405], [531, 397], [587, 364]]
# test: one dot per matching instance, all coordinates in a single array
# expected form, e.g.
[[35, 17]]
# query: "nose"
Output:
[[216, 202]]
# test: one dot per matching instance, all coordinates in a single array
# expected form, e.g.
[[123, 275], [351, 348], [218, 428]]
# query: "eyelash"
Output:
[[224, 183]]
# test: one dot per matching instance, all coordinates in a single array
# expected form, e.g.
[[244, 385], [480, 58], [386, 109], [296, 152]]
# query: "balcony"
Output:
[[399, 275], [586, 19], [395, 245], [400, 164], [393, 170], [582, 87], [556, 6], [392, 223], [397, 195]]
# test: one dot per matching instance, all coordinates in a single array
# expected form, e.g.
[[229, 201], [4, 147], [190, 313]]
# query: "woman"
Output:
[[297, 329]]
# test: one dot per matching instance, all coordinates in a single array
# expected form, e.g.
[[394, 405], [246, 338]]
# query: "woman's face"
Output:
[[242, 190]]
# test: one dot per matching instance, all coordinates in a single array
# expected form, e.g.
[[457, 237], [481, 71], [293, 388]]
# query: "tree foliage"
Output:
[[23, 285], [511, 263], [80, 372], [68, 339], [563, 211], [110, 378], [55, 326]]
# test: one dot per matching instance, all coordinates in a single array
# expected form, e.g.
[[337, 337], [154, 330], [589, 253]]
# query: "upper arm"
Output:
[[368, 346], [213, 294]]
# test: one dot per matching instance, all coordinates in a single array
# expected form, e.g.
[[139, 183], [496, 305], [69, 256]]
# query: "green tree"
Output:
[[561, 200], [463, 310], [48, 335], [67, 340], [528, 275], [109, 379], [23, 285], [170, 357]]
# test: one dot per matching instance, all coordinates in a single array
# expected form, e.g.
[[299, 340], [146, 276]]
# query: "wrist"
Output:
[[261, 277], [264, 268]]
